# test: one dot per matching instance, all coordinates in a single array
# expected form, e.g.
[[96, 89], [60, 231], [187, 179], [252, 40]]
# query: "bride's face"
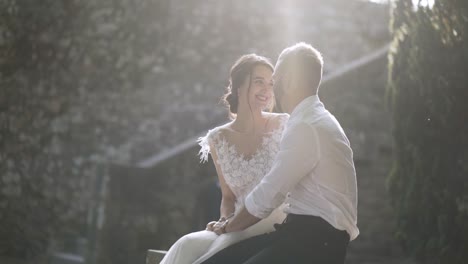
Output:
[[260, 93]]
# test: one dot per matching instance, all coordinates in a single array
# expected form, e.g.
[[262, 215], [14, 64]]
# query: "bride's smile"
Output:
[[262, 98], [260, 88]]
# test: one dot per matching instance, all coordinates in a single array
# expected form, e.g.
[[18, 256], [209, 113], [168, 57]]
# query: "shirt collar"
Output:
[[309, 103]]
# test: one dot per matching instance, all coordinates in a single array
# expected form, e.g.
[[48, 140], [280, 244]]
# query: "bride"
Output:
[[242, 151]]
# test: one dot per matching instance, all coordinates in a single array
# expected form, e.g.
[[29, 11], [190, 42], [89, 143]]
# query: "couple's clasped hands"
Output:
[[219, 227]]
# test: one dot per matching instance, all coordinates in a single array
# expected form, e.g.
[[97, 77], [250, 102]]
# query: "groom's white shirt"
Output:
[[313, 172]]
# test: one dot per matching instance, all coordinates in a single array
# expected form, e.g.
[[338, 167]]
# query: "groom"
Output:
[[313, 174]]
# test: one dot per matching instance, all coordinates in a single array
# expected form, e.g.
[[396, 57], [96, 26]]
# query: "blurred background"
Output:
[[101, 103]]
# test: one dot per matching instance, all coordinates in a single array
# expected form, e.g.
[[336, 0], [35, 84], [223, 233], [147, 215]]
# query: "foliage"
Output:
[[428, 87]]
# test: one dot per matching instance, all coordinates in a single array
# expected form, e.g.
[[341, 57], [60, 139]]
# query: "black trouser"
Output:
[[299, 239]]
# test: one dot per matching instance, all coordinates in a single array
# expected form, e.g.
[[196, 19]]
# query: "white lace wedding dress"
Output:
[[241, 174]]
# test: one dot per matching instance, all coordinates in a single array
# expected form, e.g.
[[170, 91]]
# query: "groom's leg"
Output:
[[304, 239], [271, 255], [241, 251], [287, 249]]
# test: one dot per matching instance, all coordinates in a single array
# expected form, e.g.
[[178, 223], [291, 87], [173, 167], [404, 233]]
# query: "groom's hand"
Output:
[[220, 228], [240, 221], [210, 225]]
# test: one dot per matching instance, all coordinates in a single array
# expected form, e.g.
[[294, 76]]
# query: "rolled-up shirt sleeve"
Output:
[[298, 154]]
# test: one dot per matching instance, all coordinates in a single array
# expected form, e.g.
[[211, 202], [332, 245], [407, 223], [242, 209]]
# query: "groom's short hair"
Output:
[[305, 59]]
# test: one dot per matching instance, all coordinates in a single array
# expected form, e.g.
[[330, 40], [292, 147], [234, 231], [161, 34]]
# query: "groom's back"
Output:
[[332, 187], [336, 156]]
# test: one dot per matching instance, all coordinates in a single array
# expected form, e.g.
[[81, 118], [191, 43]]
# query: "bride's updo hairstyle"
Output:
[[242, 69]]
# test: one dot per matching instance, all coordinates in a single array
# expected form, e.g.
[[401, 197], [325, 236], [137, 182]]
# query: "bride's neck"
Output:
[[247, 121]]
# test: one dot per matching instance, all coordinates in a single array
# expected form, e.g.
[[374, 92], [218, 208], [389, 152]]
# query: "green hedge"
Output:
[[428, 87]]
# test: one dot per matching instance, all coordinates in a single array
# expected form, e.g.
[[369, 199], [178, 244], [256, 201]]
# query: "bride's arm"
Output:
[[228, 198]]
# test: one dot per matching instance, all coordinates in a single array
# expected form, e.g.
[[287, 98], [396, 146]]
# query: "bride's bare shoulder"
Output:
[[222, 129]]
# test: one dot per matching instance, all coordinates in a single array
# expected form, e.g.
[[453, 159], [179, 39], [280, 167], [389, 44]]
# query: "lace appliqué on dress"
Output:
[[242, 173]]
